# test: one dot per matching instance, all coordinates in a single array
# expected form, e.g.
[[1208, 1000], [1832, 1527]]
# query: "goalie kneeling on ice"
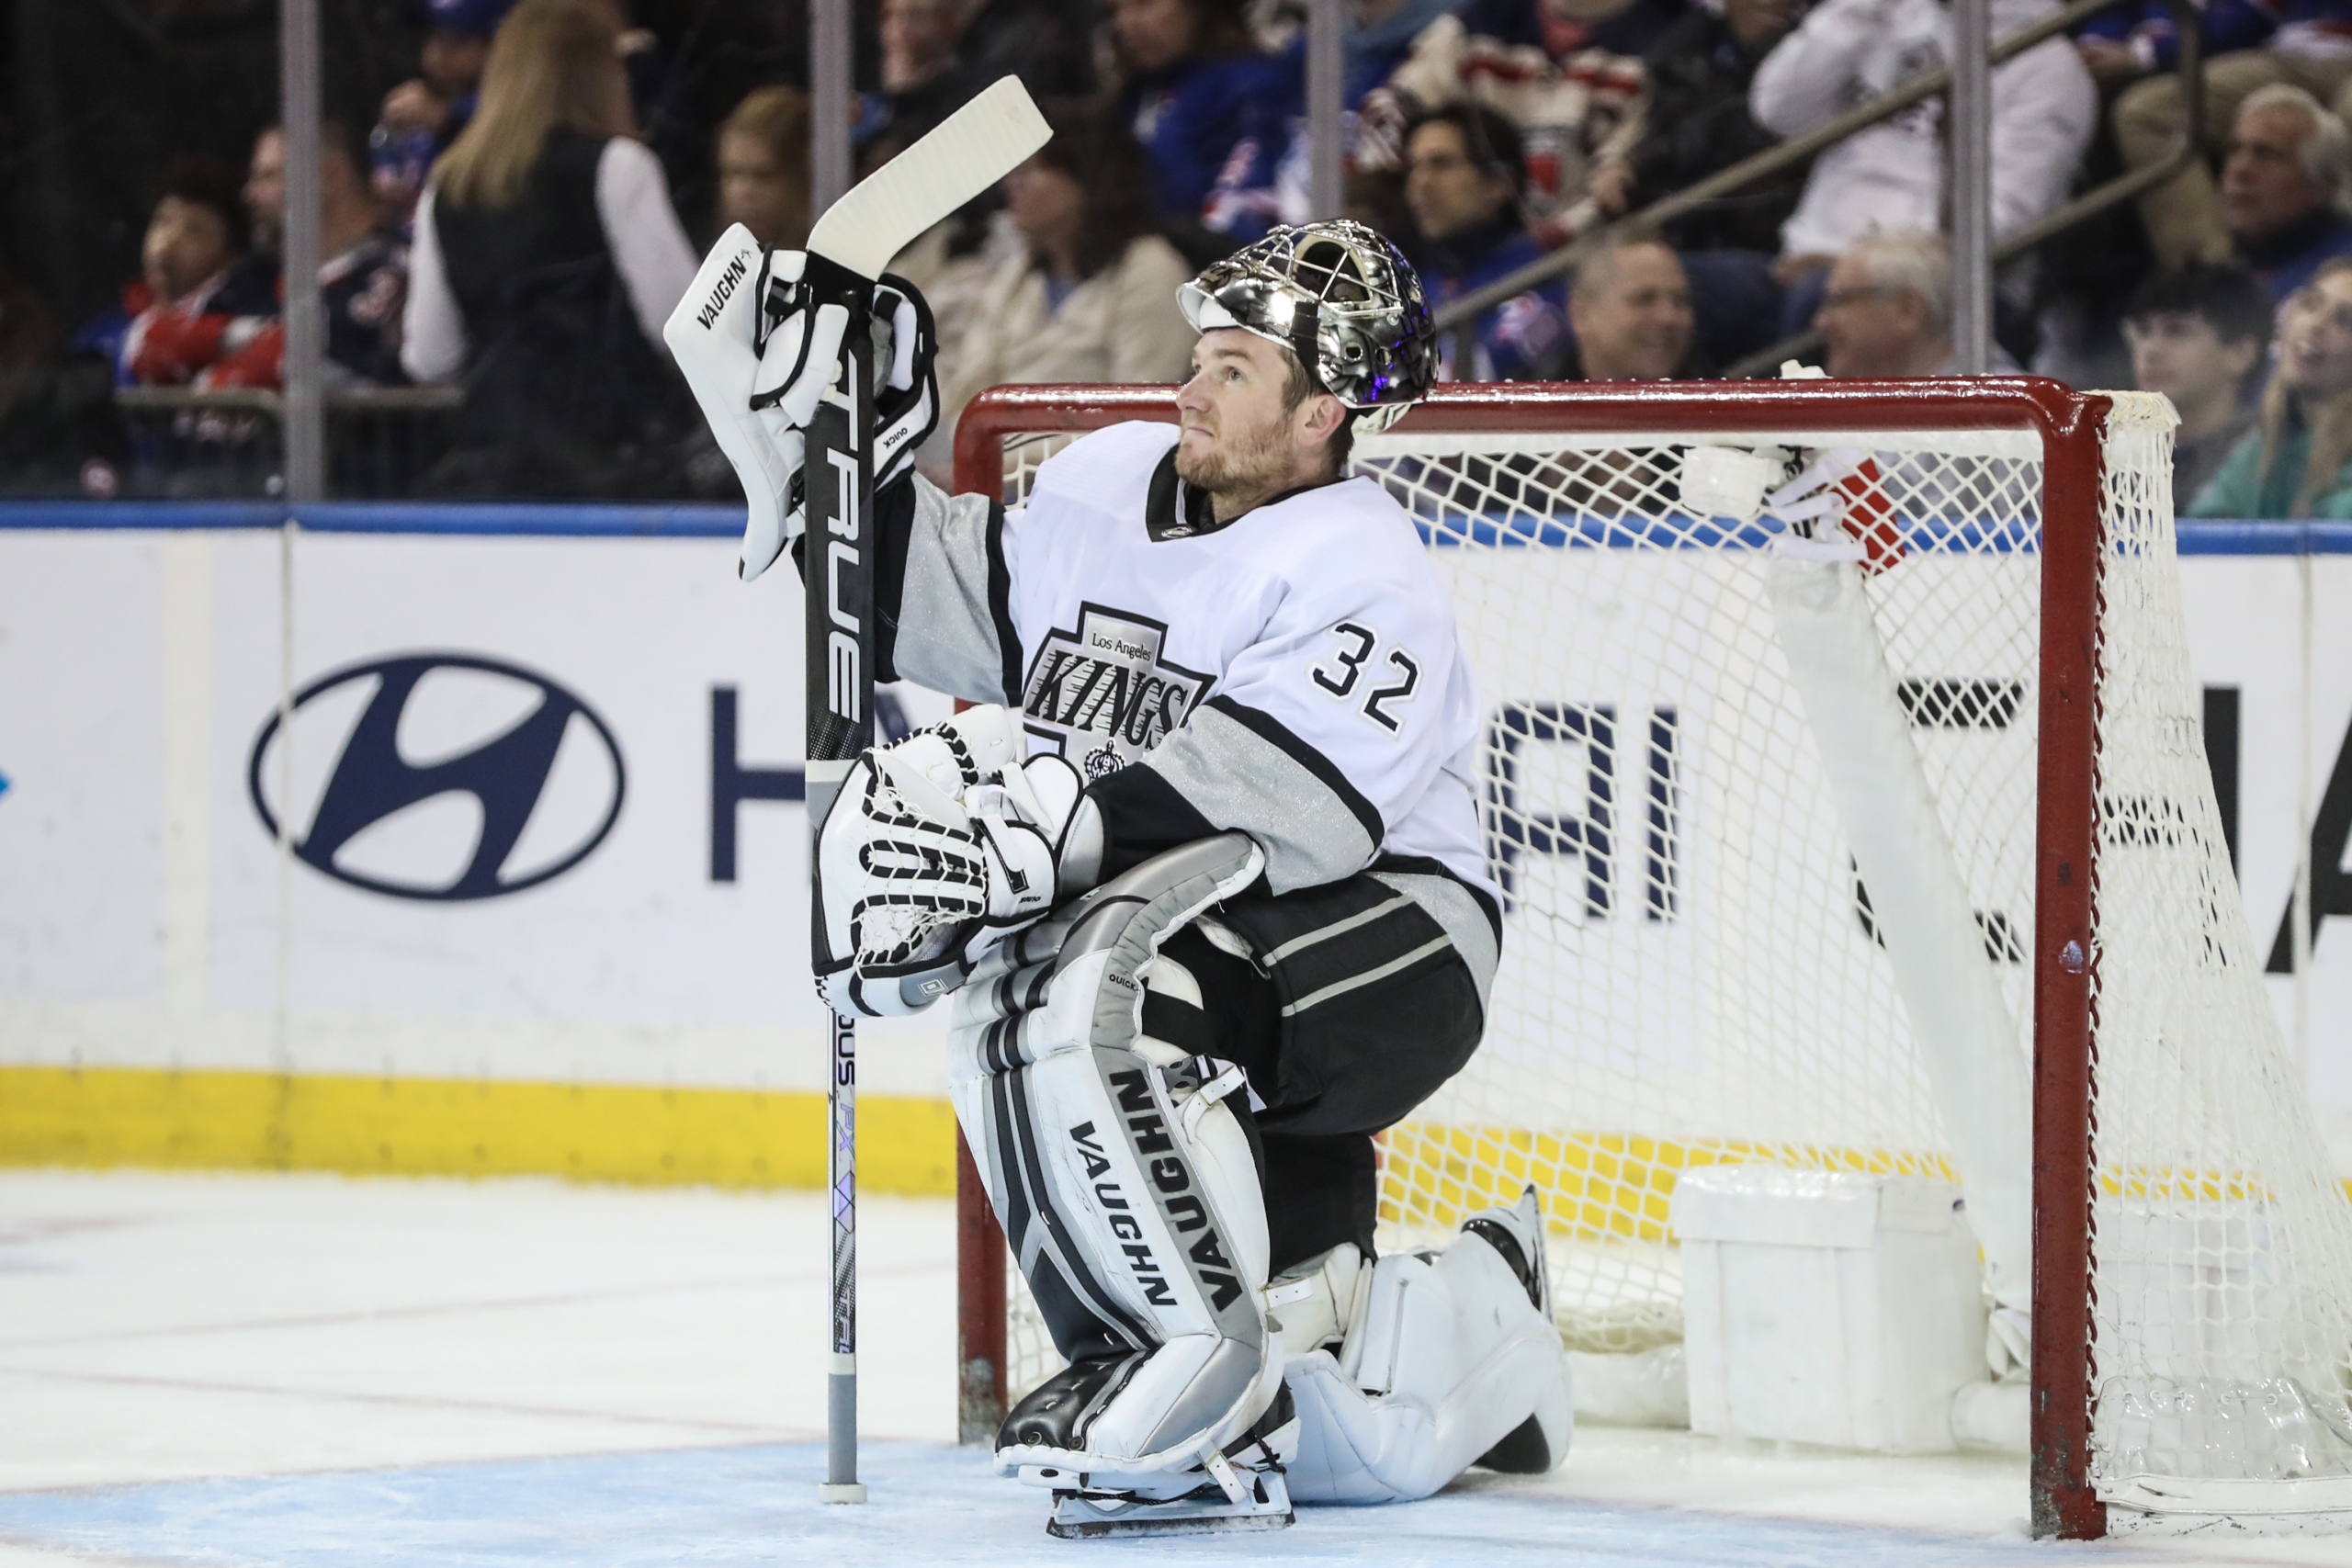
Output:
[[1830, 1307]]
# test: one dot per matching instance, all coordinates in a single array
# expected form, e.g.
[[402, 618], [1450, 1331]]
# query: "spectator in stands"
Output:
[[2285, 187], [363, 281], [1049, 44], [1887, 310], [424, 114], [1208, 107], [2196, 335], [440, 99], [1463, 181], [920, 83], [1567, 74], [2184, 217], [265, 192], [937, 54], [200, 297], [919, 41], [1378, 38], [763, 166], [1631, 309], [2125, 42], [59, 432], [547, 258], [1090, 293], [1696, 122], [1890, 176], [2298, 462]]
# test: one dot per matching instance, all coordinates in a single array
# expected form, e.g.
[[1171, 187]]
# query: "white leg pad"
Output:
[[1448, 1357], [1126, 1186]]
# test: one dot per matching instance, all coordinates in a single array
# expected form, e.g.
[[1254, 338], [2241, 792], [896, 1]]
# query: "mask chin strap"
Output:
[[1303, 343]]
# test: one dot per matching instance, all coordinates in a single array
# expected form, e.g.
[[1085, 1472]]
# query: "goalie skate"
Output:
[[1246, 1492], [1084, 1512]]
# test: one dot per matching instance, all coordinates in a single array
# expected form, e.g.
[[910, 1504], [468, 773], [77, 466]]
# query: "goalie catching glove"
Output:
[[759, 337], [936, 850]]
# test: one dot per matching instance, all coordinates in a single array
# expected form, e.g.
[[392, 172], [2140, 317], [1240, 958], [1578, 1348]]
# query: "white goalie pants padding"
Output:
[[1114, 1163], [1447, 1358]]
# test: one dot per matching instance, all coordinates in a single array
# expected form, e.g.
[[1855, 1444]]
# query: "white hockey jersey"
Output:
[[1294, 674]]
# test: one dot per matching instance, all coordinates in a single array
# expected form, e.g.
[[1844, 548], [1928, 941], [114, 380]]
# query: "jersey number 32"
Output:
[[1357, 642]]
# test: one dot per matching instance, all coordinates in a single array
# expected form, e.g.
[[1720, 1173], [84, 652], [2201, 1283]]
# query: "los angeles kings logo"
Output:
[[1102, 696]]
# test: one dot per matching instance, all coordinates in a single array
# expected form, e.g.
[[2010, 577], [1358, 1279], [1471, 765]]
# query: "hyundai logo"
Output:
[[439, 775]]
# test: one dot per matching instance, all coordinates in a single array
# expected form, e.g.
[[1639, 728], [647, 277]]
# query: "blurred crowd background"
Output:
[[516, 192]]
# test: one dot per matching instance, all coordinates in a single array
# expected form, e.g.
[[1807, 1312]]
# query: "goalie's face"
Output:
[[1244, 437]]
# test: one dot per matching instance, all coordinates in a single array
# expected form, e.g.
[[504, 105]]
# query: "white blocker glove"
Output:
[[937, 849], [759, 337]]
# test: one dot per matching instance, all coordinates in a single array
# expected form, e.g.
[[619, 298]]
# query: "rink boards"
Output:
[[540, 903]]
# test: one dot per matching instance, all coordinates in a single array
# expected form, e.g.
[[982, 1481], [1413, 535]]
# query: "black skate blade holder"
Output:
[[1084, 1512]]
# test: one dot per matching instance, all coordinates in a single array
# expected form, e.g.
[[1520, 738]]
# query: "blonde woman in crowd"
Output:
[[547, 258], [2298, 462], [763, 167]]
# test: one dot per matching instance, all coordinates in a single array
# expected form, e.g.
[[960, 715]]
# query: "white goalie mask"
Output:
[[1341, 298]]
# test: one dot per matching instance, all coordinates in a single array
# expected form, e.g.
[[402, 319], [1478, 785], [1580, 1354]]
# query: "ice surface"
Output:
[[318, 1373]]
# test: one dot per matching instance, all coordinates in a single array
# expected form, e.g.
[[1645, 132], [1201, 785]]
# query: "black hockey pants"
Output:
[[1353, 1011]]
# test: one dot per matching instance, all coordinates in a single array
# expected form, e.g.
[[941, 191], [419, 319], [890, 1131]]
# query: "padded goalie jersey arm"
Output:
[[1319, 736], [942, 594]]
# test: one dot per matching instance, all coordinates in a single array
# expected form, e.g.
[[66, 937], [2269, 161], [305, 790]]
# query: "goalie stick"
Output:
[[848, 248]]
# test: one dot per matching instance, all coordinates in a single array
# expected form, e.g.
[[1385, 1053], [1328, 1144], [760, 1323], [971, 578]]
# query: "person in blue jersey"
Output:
[[1208, 106], [439, 101], [1462, 178], [2138, 39]]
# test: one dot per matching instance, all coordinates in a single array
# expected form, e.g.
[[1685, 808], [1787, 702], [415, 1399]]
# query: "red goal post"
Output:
[[2060, 960]]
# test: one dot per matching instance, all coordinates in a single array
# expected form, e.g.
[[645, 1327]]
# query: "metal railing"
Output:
[[1463, 313], [230, 443]]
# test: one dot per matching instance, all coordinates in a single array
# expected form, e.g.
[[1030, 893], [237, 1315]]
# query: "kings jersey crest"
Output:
[[1102, 695]]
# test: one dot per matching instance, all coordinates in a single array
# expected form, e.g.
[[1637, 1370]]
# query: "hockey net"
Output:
[[1692, 972]]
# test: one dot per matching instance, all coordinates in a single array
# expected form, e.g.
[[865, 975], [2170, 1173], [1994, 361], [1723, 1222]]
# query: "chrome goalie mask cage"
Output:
[[1340, 297]]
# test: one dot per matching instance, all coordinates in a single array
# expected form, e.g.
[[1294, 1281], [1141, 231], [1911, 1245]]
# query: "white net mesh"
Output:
[[1690, 971], [2223, 1316]]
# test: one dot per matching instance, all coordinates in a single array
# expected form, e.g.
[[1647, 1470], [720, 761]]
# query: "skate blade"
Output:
[[1079, 1515]]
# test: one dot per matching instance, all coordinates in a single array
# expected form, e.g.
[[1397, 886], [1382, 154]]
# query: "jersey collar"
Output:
[[1174, 510]]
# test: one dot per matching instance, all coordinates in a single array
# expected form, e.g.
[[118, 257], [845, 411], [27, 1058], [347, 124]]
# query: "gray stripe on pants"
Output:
[[1457, 912], [1301, 944], [1339, 987]]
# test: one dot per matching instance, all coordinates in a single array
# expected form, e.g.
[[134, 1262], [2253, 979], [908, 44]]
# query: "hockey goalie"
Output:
[[1201, 883]]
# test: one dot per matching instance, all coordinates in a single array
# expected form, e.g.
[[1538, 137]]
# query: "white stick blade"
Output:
[[962, 156]]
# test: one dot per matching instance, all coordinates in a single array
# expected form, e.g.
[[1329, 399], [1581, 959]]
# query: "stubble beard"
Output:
[[1246, 465]]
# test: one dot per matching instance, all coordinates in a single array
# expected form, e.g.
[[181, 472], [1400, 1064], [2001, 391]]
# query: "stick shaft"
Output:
[[841, 1383], [839, 704]]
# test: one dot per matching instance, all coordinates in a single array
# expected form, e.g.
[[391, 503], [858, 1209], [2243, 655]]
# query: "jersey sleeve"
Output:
[[1321, 735], [943, 592]]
